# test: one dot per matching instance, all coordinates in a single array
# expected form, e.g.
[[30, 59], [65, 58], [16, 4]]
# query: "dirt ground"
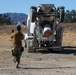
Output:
[[41, 62]]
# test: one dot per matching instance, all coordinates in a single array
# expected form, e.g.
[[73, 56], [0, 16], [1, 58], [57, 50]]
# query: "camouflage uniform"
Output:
[[17, 38]]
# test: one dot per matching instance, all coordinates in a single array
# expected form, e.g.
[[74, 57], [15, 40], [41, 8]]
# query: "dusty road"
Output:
[[42, 62]]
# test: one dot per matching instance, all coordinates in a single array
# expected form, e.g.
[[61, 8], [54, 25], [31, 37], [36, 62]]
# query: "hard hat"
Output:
[[18, 27]]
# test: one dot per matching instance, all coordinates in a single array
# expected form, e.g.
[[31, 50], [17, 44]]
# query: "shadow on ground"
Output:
[[50, 68], [69, 50]]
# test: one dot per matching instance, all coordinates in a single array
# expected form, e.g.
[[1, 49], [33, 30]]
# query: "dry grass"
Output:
[[38, 63], [69, 36]]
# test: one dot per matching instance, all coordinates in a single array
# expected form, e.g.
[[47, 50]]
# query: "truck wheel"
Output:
[[59, 36], [30, 46], [32, 15]]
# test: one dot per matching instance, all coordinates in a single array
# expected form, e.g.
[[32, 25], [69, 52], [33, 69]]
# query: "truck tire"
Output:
[[59, 36], [30, 48], [32, 15]]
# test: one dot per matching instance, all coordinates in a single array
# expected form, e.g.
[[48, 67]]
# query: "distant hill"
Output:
[[17, 17]]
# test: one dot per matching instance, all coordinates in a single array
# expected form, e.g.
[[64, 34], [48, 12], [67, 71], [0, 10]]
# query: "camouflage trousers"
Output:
[[16, 53]]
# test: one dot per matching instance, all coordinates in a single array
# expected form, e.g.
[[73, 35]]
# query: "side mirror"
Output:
[[33, 11], [61, 12]]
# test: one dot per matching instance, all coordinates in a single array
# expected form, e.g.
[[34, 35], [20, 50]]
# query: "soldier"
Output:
[[17, 43]]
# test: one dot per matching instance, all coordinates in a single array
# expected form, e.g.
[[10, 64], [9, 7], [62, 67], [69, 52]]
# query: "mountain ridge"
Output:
[[17, 17]]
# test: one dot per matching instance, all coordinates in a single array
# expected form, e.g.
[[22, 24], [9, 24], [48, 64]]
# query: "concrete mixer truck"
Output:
[[44, 29]]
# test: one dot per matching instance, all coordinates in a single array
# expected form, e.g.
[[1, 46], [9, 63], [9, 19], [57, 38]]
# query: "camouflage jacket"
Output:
[[17, 38]]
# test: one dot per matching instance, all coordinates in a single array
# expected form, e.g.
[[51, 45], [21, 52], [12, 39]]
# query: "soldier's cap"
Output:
[[18, 27]]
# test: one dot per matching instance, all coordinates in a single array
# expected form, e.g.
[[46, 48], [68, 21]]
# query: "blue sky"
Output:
[[23, 6]]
